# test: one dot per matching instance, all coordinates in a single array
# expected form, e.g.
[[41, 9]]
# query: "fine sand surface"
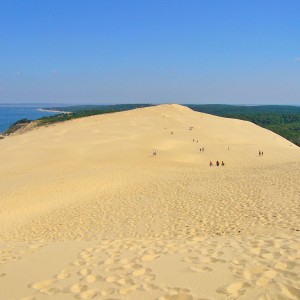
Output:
[[87, 213]]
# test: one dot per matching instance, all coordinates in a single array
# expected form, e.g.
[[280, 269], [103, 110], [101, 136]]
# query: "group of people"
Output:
[[154, 152], [260, 153], [217, 163]]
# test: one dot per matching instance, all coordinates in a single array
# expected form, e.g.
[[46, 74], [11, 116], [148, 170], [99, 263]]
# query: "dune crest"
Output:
[[88, 204]]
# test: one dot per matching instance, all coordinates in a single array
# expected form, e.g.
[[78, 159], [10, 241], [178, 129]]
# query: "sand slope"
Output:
[[88, 213]]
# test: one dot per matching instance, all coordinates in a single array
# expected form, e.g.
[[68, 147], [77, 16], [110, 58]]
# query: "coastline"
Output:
[[54, 111]]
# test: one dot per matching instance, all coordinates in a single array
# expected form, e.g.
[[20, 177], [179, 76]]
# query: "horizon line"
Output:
[[140, 103]]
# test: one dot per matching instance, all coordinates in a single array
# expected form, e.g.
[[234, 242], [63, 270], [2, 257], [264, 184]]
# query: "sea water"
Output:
[[10, 113]]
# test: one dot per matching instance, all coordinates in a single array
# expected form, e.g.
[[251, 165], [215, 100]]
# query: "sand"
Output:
[[88, 213]]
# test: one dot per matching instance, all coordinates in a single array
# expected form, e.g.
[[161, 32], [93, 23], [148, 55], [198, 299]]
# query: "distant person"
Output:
[[154, 152], [228, 148], [223, 163], [262, 154], [259, 153], [217, 163], [203, 149], [200, 149], [193, 140], [210, 164]]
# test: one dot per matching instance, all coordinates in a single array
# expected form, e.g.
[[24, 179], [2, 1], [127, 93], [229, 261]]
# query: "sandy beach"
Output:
[[87, 212], [53, 110]]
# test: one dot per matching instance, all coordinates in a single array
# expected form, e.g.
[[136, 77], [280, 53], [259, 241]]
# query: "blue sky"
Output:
[[158, 51]]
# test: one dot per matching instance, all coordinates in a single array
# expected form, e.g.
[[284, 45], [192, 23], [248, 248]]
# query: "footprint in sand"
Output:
[[77, 288], [79, 263], [125, 281], [135, 266], [42, 284], [127, 290], [50, 291], [234, 289], [139, 272], [149, 287], [107, 291], [200, 269], [91, 278], [88, 294], [63, 274], [177, 297], [149, 257], [213, 260], [85, 272]]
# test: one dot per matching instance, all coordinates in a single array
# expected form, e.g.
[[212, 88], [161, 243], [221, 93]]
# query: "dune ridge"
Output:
[[88, 213]]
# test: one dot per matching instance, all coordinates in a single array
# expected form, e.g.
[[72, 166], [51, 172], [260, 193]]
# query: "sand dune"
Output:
[[88, 213]]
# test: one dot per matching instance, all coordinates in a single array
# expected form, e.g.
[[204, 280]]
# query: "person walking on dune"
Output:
[[154, 152], [211, 164]]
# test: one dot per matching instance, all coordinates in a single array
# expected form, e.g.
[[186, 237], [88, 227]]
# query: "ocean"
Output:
[[10, 113]]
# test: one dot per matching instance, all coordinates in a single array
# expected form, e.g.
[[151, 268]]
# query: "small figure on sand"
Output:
[[228, 148], [193, 140], [202, 149], [217, 163], [171, 132], [223, 163], [262, 154], [211, 164], [154, 152]]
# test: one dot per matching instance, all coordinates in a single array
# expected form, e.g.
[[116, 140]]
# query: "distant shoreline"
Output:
[[56, 111]]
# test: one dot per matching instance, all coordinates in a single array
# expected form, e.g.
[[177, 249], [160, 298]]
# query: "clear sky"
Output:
[[157, 51]]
